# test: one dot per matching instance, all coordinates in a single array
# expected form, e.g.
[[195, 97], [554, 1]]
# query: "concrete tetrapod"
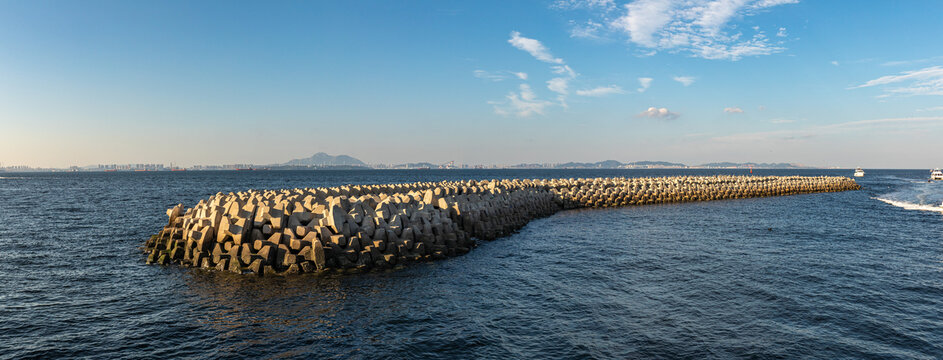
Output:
[[379, 226]]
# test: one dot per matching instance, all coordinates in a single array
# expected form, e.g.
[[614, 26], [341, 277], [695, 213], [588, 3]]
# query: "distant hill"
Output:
[[323, 159], [655, 163], [613, 164], [418, 165], [754, 165], [608, 164]]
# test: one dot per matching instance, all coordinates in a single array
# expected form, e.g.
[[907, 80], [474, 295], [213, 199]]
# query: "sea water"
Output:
[[834, 275]]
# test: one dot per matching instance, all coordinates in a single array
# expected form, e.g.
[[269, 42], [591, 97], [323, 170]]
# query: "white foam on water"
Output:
[[911, 206]]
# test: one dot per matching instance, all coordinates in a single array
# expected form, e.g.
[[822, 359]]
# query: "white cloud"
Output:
[[656, 113], [911, 62], [583, 4], [733, 110], [684, 80], [564, 69], [701, 28], [589, 30], [601, 91], [758, 45], [558, 85], [523, 104], [490, 76], [934, 108], [526, 103], [497, 76], [840, 128], [781, 121], [716, 14], [885, 121], [644, 83], [770, 3], [533, 47], [644, 18], [835, 63], [926, 81]]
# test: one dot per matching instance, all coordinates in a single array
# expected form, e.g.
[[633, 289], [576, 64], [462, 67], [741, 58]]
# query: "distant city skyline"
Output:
[[779, 81], [326, 161]]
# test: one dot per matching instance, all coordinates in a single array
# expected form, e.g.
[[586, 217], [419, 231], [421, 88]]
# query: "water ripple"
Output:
[[837, 275]]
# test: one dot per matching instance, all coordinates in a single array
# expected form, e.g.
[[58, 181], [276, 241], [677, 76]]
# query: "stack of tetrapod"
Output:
[[379, 226]]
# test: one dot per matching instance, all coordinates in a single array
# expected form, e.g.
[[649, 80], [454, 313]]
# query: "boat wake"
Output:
[[914, 195], [912, 206]]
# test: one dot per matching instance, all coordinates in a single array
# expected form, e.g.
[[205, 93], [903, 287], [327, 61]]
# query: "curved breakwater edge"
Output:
[[362, 227]]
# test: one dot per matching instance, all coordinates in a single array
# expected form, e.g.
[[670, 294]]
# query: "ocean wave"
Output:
[[912, 206]]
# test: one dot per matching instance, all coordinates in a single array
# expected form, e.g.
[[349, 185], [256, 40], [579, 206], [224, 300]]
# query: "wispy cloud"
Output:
[[643, 19], [933, 108], [558, 85], [526, 103], [533, 47], [770, 3], [756, 46], [583, 4], [839, 128], [733, 110], [926, 81], [684, 80], [834, 63], [564, 70], [644, 83], [523, 104], [700, 28], [490, 76], [601, 91], [781, 121], [588, 30], [911, 62], [498, 75], [658, 113]]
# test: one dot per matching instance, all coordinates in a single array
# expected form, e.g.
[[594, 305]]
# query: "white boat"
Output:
[[859, 172], [936, 174]]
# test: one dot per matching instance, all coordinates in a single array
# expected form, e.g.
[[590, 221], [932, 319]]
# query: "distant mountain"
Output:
[[418, 165], [608, 164], [656, 164], [323, 159], [754, 165], [613, 164]]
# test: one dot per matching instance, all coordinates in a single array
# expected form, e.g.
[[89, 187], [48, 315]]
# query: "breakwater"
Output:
[[379, 226]]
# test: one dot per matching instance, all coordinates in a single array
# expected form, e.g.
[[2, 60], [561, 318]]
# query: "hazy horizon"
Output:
[[816, 83]]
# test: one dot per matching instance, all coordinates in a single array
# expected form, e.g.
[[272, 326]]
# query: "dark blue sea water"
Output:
[[837, 275]]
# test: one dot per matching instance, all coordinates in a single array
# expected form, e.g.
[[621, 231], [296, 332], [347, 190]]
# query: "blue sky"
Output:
[[822, 83]]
